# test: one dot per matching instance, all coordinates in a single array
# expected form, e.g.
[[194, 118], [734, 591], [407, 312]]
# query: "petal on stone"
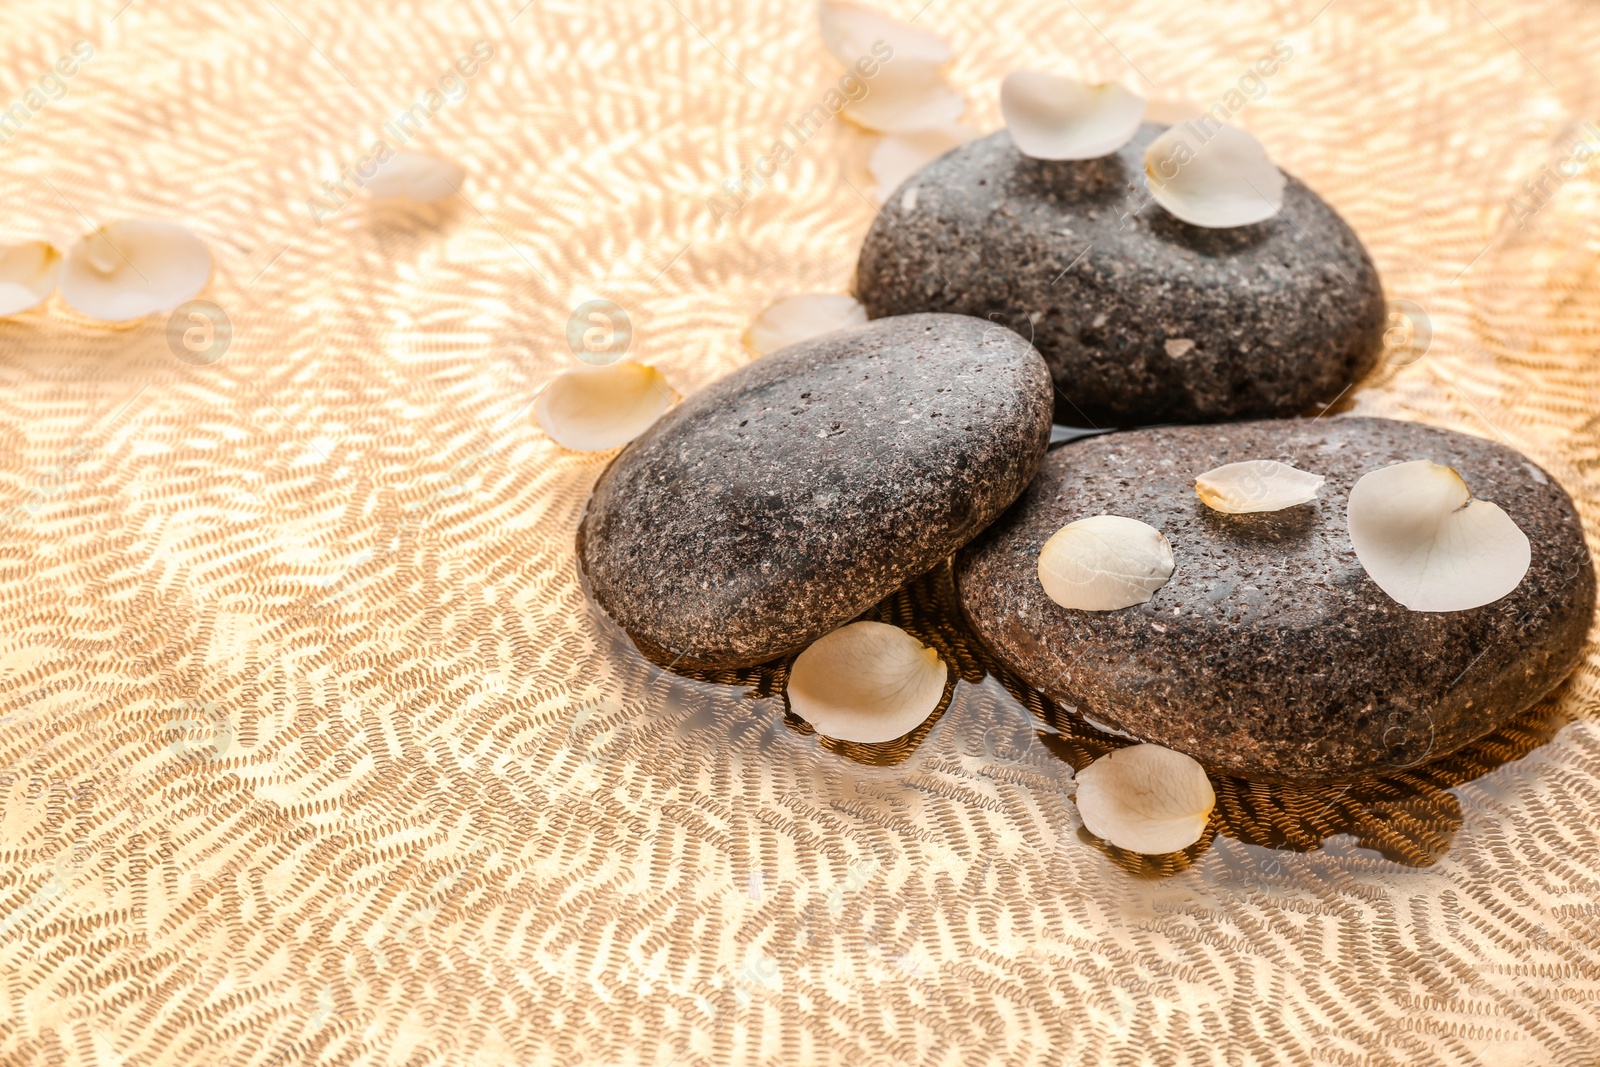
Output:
[[867, 682], [1256, 485], [1425, 541], [595, 408], [1224, 180], [1104, 563], [1050, 117], [797, 318], [127, 270]]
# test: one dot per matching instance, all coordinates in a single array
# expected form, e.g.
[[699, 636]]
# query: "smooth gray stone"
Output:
[[789, 497], [1142, 318], [1270, 653]]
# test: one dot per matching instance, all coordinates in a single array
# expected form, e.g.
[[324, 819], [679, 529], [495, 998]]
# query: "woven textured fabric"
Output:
[[312, 752]]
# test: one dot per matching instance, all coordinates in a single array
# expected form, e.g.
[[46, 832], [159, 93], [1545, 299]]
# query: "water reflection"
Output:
[[1409, 816], [927, 610]]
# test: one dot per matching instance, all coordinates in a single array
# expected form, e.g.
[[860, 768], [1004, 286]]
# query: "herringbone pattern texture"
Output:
[[312, 753]]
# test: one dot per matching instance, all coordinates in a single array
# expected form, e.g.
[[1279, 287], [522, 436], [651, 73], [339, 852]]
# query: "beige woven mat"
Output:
[[312, 753]]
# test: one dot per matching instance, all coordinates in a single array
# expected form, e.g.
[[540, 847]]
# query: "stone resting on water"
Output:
[[785, 499]]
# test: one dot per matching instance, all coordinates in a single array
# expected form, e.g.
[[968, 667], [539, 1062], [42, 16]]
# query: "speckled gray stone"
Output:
[[1143, 318], [1270, 653], [790, 496]]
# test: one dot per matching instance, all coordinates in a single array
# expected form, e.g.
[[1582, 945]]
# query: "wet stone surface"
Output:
[[1142, 318], [787, 498], [1270, 654]]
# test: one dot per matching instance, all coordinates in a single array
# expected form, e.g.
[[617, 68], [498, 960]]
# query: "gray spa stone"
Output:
[[1142, 318], [787, 498], [1270, 653]]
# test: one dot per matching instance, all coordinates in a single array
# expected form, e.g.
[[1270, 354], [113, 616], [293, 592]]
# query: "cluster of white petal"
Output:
[[117, 273]]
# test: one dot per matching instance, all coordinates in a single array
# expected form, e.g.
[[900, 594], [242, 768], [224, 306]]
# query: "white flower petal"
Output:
[[868, 682], [1428, 544], [1104, 563], [1256, 485], [850, 32], [906, 96], [417, 177], [28, 272], [126, 270], [1224, 180], [1050, 117], [900, 155], [1146, 799], [592, 409], [796, 318]]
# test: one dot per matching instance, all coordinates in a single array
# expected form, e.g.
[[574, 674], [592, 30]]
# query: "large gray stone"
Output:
[[1142, 318], [790, 496], [1270, 653]]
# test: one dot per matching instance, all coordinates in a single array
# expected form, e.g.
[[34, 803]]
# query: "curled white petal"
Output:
[[1427, 543], [126, 270], [796, 318], [906, 96], [853, 33], [28, 272], [1256, 485], [1213, 177], [1146, 799], [591, 409], [1104, 563], [868, 682], [900, 155], [416, 176], [1051, 117]]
